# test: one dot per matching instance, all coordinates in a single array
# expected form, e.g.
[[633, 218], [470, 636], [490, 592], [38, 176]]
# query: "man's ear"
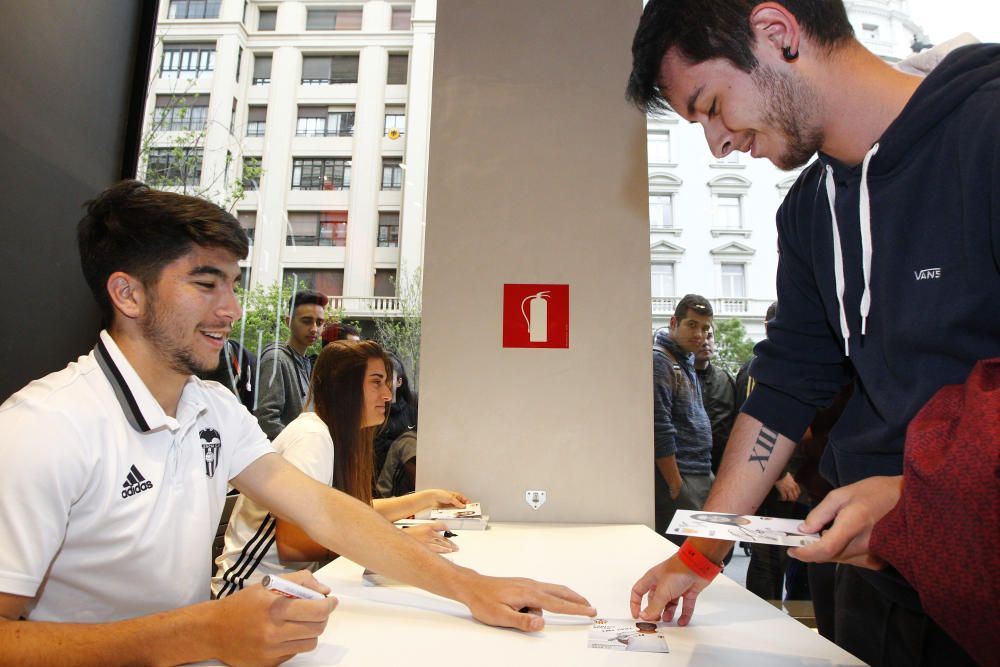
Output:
[[673, 322], [775, 28], [127, 293]]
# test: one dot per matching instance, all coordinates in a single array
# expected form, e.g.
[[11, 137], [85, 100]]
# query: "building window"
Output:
[[248, 221], [176, 114], [251, 172], [261, 69], [388, 229], [398, 65], [194, 9], [869, 31], [330, 69], [325, 281], [727, 211], [267, 19], [385, 282], [239, 63], [321, 173], [401, 17], [325, 122], [662, 280], [658, 148], [232, 118], [395, 119], [317, 228], [256, 121], [333, 19], [173, 166], [187, 61], [392, 173], [733, 281], [661, 211]]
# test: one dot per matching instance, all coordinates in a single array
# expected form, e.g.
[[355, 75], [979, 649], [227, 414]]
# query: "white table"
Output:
[[377, 626]]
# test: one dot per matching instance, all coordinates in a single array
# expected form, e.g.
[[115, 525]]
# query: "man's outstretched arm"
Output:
[[353, 529], [755, 456]]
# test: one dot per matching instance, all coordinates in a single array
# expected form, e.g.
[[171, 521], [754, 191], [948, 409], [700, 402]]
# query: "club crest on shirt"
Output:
[[210, 444]]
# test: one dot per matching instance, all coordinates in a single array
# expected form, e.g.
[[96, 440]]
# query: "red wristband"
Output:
[[696, 561]]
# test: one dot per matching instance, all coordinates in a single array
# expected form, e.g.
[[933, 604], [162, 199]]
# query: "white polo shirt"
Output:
[[108, 507]]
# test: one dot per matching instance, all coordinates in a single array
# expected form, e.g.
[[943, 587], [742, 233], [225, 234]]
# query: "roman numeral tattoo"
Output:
[[762, 449]]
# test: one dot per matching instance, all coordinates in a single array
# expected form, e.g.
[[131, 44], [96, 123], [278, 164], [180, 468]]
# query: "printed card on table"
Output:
[[740, 527], [627, 634], [470, 510]]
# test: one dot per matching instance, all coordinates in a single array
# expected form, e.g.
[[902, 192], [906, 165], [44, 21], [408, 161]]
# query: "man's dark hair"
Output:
[[706, 29], [306, 297], [133, 228], [772, 312], [339, 331], [695, 302]]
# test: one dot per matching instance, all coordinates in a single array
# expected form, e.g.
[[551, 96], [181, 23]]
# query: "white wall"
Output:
[[537, 174]]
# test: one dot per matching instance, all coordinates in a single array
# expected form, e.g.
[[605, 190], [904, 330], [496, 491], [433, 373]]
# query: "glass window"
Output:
[[385, 282], [187, 61], [325, 121], [397, 69], [267, 19], [256, 121], [333, 19], [663, 280], [175, 114], [388, 229], [317, 228], [324, 281], [194, 9], [321, 174], [395, 119], [248, 221], [239, 63], [330, 69], [658, 147], [261, 69], [251, 172], [392, 173], [166, 167], [733, 280], [728, 211], [661, 211], [401, 18]]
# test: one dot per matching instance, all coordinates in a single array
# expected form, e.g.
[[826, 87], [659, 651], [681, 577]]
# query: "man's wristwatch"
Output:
[[697, 562]]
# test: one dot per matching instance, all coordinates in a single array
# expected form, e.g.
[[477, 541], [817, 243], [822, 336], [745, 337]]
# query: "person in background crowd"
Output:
[[235, 372], [339, 331], [285, 368], [402, 419], [718, 393]]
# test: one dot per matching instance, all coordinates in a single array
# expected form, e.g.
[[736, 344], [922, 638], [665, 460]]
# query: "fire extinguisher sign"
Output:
[[536, 316]]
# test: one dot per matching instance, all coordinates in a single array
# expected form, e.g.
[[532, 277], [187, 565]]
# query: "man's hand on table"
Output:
[[500, 600], [667, 584], [854, 510], [256, 626]]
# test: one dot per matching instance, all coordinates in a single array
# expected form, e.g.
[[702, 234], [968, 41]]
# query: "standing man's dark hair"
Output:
[[133, 228], [772, 312], [307, 297], [703, 30], [695, 302]]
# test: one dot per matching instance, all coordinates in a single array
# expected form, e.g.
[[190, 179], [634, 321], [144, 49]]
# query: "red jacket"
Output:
[[944, 534]]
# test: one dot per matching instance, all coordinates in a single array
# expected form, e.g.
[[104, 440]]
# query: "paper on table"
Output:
[[740, 527], [627, 635]]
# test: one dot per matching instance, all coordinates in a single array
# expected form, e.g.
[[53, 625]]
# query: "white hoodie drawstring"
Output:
[[865, 222]]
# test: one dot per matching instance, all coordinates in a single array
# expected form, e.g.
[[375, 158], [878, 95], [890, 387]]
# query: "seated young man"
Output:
[[115, 473]]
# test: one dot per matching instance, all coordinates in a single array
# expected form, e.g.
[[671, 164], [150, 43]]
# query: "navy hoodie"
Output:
[[933, 185]]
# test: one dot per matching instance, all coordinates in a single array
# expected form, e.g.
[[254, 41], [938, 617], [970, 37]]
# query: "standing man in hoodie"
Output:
[[285, 368], [889, 256], [682, 431]]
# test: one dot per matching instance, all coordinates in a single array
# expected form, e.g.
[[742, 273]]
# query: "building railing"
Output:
[[366, 306], [722, 306]]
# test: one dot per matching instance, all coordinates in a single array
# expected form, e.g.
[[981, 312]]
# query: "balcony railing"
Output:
[[721, 306], [366, 306]]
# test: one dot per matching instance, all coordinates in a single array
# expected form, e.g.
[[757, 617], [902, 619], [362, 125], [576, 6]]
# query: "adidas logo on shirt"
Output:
[[135, 483]]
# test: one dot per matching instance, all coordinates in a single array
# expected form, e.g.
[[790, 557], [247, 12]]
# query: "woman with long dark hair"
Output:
[[350, 387]]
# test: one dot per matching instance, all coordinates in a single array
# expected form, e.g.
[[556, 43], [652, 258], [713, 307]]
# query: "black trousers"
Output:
[[886, 634]]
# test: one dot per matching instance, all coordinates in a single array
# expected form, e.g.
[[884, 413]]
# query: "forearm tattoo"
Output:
[[762, 449]]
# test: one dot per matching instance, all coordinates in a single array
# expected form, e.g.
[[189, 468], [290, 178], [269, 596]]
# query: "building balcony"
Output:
[[723, 307], [366, 306]]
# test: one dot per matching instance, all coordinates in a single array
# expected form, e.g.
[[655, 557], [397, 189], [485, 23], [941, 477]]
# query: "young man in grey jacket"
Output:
[[285, 368]]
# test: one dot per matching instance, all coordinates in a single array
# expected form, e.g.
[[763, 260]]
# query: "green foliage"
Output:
[[402, 335], [260, 325], [732, 345]]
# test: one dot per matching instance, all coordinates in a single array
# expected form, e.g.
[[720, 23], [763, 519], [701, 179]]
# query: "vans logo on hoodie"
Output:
[[928, 274]]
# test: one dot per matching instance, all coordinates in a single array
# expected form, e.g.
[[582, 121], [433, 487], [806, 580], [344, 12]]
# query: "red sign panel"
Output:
[[536, 316]]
